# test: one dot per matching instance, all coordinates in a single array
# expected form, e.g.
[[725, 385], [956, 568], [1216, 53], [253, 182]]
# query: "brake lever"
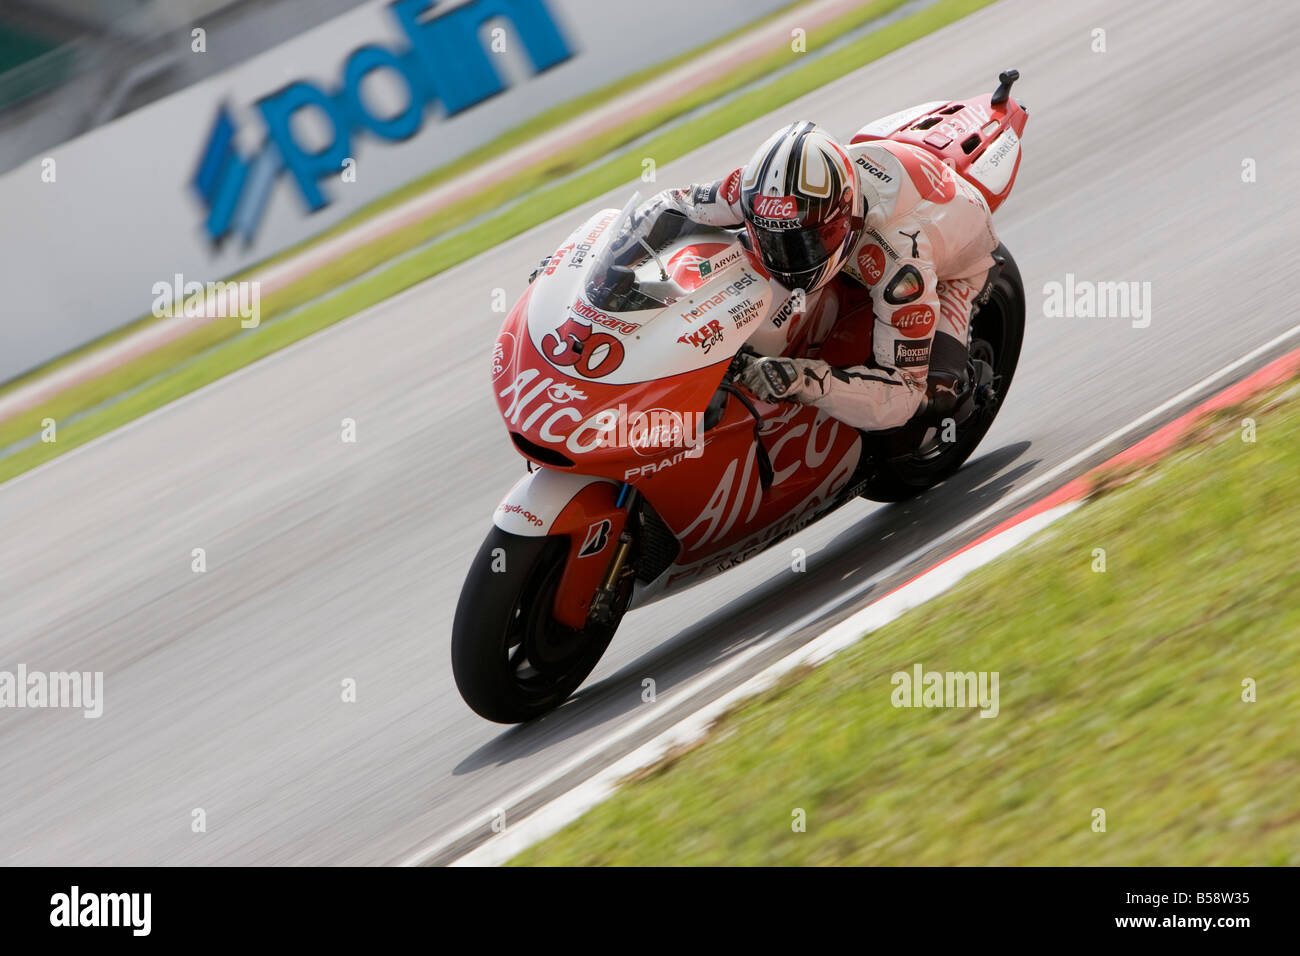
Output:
[[765, 473], [743, 359]]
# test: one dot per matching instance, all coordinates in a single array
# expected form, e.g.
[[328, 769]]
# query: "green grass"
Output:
[[214, 351], [1119, 690]]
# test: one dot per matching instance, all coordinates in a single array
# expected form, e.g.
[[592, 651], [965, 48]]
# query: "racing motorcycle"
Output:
[[648, 469]]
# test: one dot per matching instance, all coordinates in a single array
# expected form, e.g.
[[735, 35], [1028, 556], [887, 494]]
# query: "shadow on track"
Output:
[[883, 537]]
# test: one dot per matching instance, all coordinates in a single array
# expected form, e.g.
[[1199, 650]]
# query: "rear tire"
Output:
[[511, 660], [913, 460]]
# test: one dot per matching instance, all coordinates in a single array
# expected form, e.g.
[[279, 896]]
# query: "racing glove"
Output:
[[786, 379]]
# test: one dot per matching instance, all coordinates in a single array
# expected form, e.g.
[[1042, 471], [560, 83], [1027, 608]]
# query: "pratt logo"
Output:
[[503, 354], [442, 60], [914, 322], [776, 207]]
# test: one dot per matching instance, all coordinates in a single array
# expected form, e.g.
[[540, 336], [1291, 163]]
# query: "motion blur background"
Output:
[[1157, 153], [129, 102]]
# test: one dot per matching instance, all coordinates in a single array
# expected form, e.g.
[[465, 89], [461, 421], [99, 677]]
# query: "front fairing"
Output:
[[598, 390], [623, 396]]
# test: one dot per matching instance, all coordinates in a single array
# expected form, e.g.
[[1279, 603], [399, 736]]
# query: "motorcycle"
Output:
[[648, 469]]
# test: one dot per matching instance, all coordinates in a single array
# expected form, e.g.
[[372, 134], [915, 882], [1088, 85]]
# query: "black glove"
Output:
[[786, 379]]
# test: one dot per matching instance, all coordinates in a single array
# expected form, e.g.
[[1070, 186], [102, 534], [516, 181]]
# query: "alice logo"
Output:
[[923, 688]]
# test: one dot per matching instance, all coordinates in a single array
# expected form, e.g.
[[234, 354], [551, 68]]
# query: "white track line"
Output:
[[648, 715], [569, 806]]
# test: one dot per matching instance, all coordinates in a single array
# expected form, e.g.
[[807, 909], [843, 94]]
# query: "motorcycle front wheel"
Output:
[[511, 659]]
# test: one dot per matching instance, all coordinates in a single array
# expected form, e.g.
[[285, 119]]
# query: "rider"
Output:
[[892, 216]]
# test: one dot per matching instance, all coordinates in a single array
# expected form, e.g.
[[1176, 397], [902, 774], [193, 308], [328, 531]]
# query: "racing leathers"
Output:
[[924, 254]]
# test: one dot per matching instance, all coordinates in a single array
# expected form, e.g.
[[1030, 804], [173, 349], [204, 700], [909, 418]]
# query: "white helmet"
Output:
[[802, 204]]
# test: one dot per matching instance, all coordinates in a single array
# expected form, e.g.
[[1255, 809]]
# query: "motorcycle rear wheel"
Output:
[[913, 460], [511, 659]]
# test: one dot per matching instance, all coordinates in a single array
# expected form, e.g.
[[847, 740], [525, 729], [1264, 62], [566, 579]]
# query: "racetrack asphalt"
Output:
[[329, 561]]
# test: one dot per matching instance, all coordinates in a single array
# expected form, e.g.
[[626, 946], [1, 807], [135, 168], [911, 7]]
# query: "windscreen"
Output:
[[627, 271]]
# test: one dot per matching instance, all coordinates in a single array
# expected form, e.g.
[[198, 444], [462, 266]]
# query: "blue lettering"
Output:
[[459, 70], [278, 109], [445, 62], [360, 64]]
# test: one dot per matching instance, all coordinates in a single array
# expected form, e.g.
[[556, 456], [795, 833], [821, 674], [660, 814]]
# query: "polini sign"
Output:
[[444, 61]]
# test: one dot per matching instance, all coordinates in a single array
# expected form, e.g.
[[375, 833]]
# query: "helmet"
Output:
[[802, 205]]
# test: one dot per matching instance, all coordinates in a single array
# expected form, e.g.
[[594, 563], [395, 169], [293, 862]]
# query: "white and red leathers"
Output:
[[924, 253]]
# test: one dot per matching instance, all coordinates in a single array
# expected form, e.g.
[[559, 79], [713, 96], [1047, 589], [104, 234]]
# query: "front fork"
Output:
[[602, 605], [589, 588]]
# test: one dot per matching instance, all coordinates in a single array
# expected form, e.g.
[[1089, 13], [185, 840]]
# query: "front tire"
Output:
[[511, 660]]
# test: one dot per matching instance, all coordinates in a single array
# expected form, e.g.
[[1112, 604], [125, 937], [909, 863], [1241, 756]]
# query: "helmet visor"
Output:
[[792, 252]]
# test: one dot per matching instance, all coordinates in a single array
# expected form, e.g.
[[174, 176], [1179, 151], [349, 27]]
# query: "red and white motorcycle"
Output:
[[649, 471]]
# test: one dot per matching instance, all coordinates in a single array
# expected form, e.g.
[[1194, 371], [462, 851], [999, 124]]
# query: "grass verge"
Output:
[[217, 349], [1119, 690]]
